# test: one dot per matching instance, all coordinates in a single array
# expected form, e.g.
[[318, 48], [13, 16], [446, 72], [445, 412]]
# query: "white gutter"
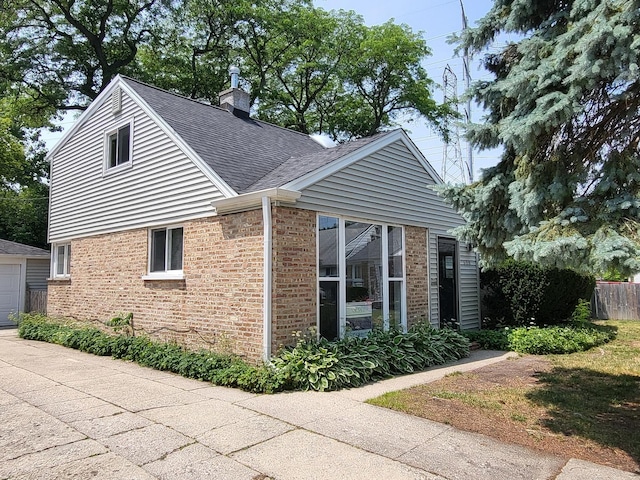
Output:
[[268, 261], [253, 200]]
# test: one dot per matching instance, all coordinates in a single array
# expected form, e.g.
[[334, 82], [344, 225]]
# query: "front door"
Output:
[[447, 284]]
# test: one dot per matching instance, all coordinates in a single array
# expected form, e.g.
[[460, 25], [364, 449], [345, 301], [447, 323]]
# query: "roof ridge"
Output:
[[217, 107]]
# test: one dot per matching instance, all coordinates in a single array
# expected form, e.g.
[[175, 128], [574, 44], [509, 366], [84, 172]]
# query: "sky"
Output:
[[436, 20]]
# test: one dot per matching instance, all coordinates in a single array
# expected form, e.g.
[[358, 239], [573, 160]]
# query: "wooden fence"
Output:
[[37, 301], [615, 300]]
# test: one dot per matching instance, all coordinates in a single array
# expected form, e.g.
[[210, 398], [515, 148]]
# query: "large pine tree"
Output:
[[564, 103]]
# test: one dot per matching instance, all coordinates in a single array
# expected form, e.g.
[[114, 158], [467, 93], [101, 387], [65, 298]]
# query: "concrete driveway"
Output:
[[67, 414]]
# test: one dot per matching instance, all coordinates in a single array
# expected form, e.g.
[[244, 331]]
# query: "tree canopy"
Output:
[[564, 103]]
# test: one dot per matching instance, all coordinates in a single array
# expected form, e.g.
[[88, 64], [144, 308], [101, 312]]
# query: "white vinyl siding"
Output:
[[162, 186], [392, 186]]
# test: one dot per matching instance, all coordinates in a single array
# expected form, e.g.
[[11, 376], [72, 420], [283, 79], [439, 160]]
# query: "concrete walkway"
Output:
[[67, 414]]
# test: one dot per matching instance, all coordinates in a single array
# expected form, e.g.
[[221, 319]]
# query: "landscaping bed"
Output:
[[583, 405], [311, 364]]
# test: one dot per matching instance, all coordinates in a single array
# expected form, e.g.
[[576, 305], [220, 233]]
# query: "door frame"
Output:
[[456, 277]]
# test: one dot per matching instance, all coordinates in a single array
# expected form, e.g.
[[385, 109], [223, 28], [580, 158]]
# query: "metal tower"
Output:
[[454, 169]]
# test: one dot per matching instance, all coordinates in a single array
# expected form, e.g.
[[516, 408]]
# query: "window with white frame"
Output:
[[165, 255], [61, 260], [361, 277], [118, 144]]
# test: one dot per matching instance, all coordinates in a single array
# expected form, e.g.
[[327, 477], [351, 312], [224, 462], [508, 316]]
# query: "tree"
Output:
[[67, 51], [23, 171], [564, 104]]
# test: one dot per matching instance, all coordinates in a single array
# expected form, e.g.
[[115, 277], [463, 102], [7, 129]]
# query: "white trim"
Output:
[[169, 275], [267, 277], [327, 170], [106, 169], [66, 275], [22, 261], [164, 274], [253, 200], [342, 271]]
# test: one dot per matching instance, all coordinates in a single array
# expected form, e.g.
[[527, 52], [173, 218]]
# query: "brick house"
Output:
[[220, 231]]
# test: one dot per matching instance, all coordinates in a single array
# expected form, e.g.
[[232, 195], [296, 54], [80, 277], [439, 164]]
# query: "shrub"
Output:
[[310, 365], [350, 362], [518, 293], [490, 339], [558, 340]]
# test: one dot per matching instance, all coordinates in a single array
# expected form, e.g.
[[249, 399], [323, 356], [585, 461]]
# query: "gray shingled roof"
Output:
[[21, 250], [240, 150], [295, 167]]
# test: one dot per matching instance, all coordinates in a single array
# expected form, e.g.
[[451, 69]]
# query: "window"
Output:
[[118, 147], [361, 280], [61, 260], [165, 256]]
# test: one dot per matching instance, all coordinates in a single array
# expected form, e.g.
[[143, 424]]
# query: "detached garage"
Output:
[[22, 269]]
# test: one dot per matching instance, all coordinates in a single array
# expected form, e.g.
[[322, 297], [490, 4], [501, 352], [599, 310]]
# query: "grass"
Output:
[[584, 405]]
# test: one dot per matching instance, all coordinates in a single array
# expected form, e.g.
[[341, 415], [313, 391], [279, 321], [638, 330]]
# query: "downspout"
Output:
[[267, 277]]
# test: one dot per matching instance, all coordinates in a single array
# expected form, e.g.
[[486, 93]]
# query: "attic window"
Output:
[[118, 144]]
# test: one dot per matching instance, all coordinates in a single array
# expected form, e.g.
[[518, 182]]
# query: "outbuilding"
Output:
[[23, 269]]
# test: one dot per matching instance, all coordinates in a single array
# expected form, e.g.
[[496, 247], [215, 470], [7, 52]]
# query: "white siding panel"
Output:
[[37, 273], [392, 186], [162, 186]]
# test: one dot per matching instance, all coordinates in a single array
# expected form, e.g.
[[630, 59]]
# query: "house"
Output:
[[23, 269], [218, 230]]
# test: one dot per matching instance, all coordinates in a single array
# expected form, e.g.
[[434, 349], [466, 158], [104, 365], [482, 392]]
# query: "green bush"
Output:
[[490, 339], [523, 294], [558, 340], [350, 362], [310, 365], [577, 336], [220, 369]]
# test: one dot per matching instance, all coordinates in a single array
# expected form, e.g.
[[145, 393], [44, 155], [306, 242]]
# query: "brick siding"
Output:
[[218, 305], [416, 239]]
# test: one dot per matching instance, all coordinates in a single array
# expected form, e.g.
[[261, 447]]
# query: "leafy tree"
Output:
[[564, 104], [67, 51]]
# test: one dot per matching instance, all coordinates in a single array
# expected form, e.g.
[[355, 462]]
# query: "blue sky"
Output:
[[437, 20]]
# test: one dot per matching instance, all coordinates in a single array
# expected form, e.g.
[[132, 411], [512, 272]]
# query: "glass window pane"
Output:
[[158, 249], [113, 150], [329, 304], [68, 260], [363, 252], [175, 255], [60, 260], [395, 304], [328, 247], [395, 252], [123, 145]]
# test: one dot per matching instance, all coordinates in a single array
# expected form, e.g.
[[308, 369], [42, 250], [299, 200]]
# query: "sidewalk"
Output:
[[66, 414]]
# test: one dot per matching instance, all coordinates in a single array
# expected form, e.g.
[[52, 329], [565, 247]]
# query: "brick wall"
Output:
[[218, 305], [294, 303], [417, 274]]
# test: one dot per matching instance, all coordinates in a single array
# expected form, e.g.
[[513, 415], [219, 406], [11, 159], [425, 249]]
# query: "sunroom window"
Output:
[[361, 277]]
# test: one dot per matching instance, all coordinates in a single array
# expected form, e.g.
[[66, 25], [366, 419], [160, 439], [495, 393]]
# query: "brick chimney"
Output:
[[234, 99]]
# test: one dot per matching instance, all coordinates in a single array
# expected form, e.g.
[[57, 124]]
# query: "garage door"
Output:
[[9, 292]]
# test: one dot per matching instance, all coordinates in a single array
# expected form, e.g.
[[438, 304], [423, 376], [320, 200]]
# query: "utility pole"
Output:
[[466, 77]]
